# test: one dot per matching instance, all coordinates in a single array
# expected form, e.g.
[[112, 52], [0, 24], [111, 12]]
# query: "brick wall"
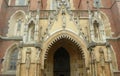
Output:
[[115, 10], [0, 4], [116, 48], [2, 15], [116, 19], [12, 3], [110, 8]]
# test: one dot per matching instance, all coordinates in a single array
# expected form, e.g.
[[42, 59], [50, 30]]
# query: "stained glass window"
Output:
[[97, 3], [20, 2], [13, 59]]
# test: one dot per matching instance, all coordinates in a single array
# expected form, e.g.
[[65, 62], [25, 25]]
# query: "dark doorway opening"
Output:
[[61, 62]]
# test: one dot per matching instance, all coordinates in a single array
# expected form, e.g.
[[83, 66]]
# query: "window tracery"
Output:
[[18, 27], [19, 23]]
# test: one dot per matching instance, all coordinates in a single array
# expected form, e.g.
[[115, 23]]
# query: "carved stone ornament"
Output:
[[28, 59], [102, 59]]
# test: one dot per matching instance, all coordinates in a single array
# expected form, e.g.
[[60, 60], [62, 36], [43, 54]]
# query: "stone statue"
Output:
[[38, 56], [63, 18], [102, 60], [93, 57], [28, 59]]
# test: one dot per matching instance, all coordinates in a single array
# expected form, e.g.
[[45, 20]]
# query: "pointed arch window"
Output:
[[13, 59], [53, 4], [20, 2], [97, 3]]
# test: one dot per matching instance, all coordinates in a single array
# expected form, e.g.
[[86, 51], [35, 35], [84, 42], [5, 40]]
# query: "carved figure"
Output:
[[28, 59], [102, 60]]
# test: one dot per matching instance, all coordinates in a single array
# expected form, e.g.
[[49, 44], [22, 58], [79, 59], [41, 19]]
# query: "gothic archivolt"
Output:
[[87, 35], [80, 43]]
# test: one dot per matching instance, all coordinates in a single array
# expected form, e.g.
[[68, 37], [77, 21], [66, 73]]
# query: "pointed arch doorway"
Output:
[[64, 58], [61, 62]]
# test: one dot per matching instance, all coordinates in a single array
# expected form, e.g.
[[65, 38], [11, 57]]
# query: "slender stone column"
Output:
[[37, 66], [91, 30]]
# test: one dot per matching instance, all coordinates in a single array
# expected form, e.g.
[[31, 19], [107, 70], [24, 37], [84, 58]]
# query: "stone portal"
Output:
[[61, 62], [64, 58]]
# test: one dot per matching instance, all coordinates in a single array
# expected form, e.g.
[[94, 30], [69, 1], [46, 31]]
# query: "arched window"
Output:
[[20, 2], [97, 3], [56, 3], [53, 4], [13, 59], [16, 24]]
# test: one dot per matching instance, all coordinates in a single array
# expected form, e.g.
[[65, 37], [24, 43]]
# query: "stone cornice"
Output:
[[37, 45], [11, 38], [114, 38]]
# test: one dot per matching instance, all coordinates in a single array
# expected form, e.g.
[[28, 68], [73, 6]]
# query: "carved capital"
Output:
[[91, 45], [107, 44]]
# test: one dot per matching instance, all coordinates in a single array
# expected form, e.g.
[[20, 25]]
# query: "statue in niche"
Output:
[[93, 57], [108, 51], [32, 33], [28, 59], [63, 18], [102, 60], [96, 30], [38, 56]]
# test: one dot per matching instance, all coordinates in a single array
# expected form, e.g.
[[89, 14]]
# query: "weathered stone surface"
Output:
[[63, 25]]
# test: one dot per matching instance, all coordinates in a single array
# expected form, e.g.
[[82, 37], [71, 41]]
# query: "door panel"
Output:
[[61, 62]]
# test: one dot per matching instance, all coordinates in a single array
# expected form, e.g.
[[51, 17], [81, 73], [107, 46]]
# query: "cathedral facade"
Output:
[[59, 38]]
